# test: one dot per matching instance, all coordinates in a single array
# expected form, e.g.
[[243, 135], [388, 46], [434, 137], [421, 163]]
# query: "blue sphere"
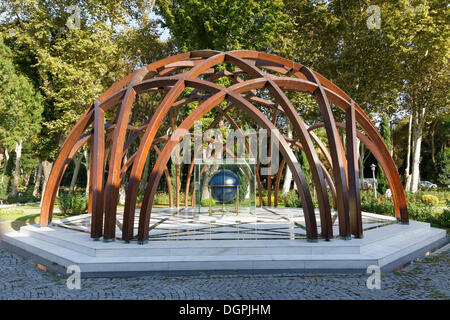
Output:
[[223, 185]]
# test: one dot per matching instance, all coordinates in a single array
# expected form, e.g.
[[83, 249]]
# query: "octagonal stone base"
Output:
[[387, 245]]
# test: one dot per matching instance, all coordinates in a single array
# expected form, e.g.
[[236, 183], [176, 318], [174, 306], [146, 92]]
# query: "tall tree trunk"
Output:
[[145, 174], [206, 176], [6, 163], [122, 188], [27, 180], [392, 137], [37, 180], [87, 158], [417, 144], [78, 158], [177, 184], [16, 180], [46, 168], [288, 175], [408, 156]]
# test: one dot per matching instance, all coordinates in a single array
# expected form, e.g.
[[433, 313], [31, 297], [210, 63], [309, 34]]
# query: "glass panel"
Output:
[[225, 185]]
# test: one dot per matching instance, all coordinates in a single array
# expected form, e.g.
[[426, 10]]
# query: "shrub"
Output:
[[265, 202], [444, 218], [430, 200], [161, 198], [381, 205], [73, 204], [205, 202], [291, 199], [443, 166], [22, 198], [4, 188]]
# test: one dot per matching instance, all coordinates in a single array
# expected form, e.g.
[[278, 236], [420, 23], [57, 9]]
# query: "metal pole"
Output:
[[210, 204], [237, 200]]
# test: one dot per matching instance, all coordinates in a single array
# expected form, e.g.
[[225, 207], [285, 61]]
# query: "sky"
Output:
[[164, 31]]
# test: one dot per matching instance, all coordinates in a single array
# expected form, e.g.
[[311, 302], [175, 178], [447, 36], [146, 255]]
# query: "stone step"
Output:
[[64, 257], [62, 238], [81, 242]]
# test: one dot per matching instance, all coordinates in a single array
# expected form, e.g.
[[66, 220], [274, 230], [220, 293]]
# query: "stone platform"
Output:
[[186, 242]]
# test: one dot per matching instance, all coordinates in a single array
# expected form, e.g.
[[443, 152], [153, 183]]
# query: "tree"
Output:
[[401, 65], [20, 109], [70, 64], [223, 25], [443, 166]]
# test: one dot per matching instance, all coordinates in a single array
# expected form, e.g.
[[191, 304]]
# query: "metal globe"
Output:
[[223, 185]]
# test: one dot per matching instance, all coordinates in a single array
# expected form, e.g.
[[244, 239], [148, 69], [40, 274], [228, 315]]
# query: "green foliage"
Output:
[[443, 195], [443, 166], [49, 74], [265, 202], [173, 180], [291, 199], [161, 198], [223, 25], [72, 67], [385, 132], [242, 179], [205, 202], [72, 204], [417, 210], [4, 187], [430, 200], [5, 180], [22, 198], [420, 212], [381, 205]]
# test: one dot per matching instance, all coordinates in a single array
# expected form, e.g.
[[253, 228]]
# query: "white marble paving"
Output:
[[188, 224]]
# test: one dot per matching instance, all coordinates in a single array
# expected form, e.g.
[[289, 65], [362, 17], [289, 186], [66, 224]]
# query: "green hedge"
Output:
[[429, 199], [265, 202], [21, 198], [205, 202], [417, 209]]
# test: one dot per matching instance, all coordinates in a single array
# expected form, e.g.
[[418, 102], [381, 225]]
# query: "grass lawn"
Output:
[[16, 214], [29, 215], [26, 207]]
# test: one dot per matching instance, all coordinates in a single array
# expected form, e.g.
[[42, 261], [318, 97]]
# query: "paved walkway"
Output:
[[427, 278]]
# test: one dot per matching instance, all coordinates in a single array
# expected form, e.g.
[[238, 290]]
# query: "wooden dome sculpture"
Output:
[[252, 71]]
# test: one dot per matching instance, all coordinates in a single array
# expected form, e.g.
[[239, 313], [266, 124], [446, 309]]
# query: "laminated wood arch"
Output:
[[250, 72]]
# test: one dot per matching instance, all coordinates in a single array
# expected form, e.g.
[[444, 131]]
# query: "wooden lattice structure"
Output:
[[252, 71]]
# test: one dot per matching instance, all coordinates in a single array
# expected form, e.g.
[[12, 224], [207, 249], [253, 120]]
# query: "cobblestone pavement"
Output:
[[426, 278]]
